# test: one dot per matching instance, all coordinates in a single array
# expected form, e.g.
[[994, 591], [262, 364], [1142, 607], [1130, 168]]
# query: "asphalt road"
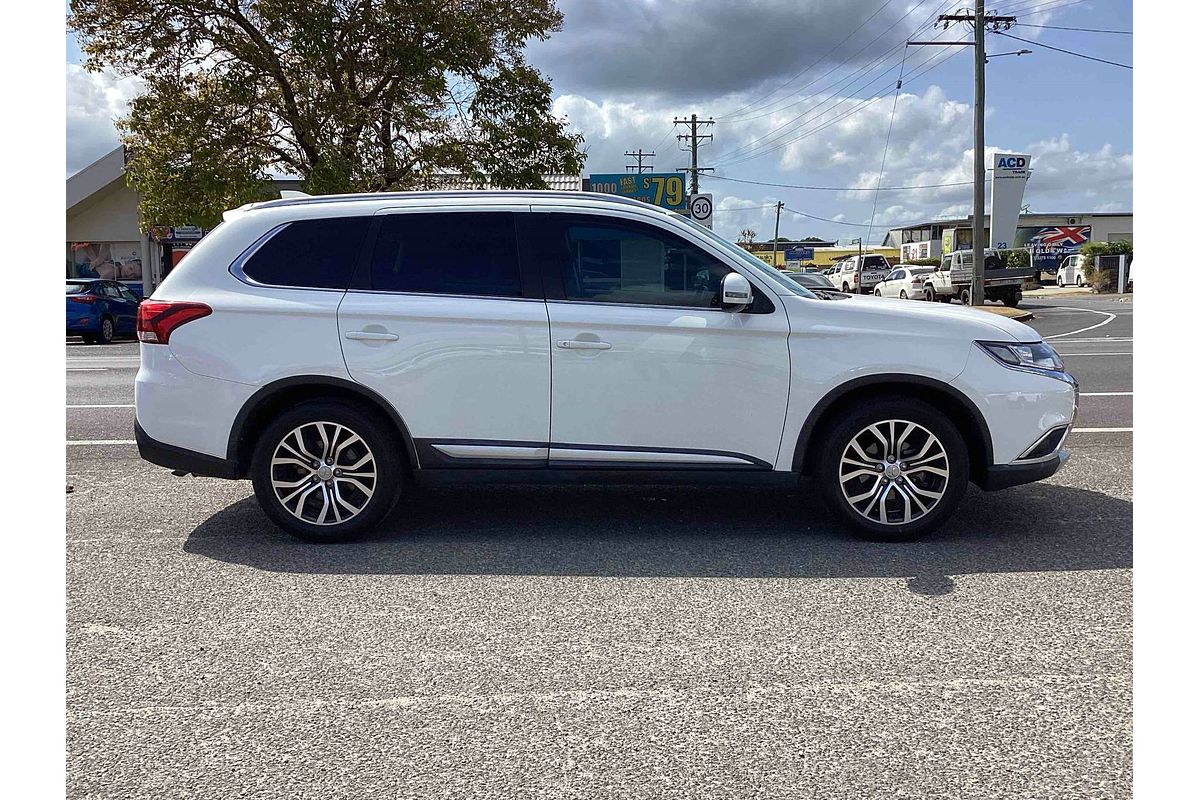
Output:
[[617, 642]]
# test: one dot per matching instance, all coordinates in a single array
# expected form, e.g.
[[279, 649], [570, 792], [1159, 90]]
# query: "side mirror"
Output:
[[736, 292]]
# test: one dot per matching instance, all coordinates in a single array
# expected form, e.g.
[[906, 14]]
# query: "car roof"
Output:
[[527, 195]]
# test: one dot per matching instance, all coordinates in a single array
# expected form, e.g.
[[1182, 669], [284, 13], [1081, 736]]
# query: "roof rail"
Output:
[[290, 198]]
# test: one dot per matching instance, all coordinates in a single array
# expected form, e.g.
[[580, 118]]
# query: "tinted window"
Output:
[[456, 253], [78, 288], [313, 253], [624, 262]]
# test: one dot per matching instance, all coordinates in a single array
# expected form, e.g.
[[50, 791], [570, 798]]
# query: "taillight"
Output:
[[82, 298], [157, 318], [855, 278], [916, 281]]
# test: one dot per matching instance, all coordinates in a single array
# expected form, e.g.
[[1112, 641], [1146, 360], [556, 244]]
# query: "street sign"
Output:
[[700, 209], [663, 189], [794, 256]]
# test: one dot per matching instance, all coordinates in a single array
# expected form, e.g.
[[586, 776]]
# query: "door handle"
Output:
[[371, 336], [583, 344]]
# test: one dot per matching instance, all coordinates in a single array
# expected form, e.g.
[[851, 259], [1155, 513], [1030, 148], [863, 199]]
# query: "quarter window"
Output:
[[448, 253], [310, 254], [637, 264]]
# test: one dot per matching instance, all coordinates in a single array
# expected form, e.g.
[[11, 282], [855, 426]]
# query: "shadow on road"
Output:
[[686, 532]]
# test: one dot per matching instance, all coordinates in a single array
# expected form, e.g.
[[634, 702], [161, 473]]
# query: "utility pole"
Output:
[[980, 20], [775, 241], [640, 156], [694, 137]]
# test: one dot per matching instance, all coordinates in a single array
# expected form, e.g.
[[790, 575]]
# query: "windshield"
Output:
[[758, 268]]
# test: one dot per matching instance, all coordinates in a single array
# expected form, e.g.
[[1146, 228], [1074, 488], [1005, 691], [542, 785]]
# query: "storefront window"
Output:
[[116, 261]]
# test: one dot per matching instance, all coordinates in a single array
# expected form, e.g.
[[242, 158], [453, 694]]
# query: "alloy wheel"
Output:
[[894, 472], [323, 473]]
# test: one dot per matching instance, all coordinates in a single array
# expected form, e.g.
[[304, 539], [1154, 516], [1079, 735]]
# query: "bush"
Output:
[[924, 262], [1104, 280]]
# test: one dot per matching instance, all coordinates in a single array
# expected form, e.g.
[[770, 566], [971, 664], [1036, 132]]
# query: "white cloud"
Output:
[[94, 100]]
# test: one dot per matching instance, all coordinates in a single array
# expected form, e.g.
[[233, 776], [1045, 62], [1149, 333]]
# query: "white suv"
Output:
[[336, 349]]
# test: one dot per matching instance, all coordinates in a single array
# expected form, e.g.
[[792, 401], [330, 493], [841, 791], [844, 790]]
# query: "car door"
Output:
[[890, 285], [442, 322], [648, 369], [129, 305]]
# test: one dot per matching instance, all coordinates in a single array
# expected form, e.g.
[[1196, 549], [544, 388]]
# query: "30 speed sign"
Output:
[[700, 208]]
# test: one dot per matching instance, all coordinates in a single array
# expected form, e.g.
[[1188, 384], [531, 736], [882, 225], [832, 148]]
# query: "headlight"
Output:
[[1036, 356]]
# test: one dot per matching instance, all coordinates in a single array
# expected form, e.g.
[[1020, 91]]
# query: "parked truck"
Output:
[[952, 279]]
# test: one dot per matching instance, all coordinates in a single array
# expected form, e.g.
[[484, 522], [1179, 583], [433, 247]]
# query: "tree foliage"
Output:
[[349, 95]]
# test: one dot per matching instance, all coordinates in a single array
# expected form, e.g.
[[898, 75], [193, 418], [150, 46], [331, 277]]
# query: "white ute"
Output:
[[335, 352]]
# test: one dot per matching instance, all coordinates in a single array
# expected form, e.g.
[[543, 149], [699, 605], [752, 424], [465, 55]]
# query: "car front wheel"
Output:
[[326, 471], [893, 469]]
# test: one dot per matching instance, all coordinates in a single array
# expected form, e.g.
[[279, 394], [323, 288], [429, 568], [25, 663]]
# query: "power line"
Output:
[[841, 188], [766, 113], [1064, 28], [816, 61], [640, 156], [1068, 52], [826, 219], [1019, 7], [778, 145], [887, 140]]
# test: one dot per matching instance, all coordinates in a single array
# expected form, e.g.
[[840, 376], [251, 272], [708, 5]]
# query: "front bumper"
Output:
[[1002, 476]]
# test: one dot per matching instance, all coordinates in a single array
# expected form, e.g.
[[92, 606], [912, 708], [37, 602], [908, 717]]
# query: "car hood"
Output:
[[918, 318]]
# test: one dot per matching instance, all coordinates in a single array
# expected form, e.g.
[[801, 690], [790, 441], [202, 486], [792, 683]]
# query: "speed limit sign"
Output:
[[700, 208]]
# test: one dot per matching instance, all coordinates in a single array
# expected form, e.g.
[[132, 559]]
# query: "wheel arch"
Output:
[[271, 398], [965, 415]]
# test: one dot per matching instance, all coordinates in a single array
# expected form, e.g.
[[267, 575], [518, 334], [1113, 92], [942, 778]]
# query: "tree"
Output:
[[1104, 280], [349, 95], [747, 236]]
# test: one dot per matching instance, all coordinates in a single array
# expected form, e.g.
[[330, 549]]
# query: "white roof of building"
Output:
[[95, 176]]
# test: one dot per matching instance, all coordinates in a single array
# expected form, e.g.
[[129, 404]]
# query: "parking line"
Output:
[[1101, 430], [1098, 394], [87, 369], [1096, 354], [88, 442], [1111, 317], [130, 405]]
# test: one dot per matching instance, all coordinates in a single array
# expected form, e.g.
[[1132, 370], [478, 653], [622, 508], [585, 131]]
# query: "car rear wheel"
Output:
[[930, 295], [903, 295], [964, 297], [326, 471], [107, 331], [894, 469]]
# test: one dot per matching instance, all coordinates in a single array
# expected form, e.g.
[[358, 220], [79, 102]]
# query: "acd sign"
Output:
[[1011, 162]]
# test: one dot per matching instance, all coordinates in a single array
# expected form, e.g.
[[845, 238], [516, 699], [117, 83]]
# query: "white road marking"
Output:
[[1101, 430], [1102, 340], [87, 369], [1110, 318], [122, 405], [1098, 394], [78, 442], [1064, 355]]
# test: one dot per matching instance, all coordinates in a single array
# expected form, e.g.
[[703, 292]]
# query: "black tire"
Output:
[[877, 294], [108, 331], [1012, 299], [846, 288], [903, 295], [930, 294], [836, 441], [964, 297], [380, 441]]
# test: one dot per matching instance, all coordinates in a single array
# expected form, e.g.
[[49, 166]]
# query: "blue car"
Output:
[[100, 310]]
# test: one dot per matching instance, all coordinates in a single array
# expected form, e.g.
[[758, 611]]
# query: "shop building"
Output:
[[1049, 238]]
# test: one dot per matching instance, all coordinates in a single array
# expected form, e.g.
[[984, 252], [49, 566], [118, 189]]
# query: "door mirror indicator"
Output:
[[736, 293]]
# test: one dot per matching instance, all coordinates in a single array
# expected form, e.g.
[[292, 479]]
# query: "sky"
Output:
[[802, 92]]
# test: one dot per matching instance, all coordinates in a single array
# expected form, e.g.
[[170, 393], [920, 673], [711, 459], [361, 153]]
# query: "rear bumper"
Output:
[[177, 458], [1002, 476]]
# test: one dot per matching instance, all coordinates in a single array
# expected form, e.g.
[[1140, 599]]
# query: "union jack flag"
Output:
[[1063, 235]]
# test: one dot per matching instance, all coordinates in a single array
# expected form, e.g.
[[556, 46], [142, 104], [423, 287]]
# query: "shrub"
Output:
[[924, 262], [1104, 280]]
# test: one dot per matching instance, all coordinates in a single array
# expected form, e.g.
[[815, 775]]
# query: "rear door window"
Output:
[[463, 253], [310, 254]]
